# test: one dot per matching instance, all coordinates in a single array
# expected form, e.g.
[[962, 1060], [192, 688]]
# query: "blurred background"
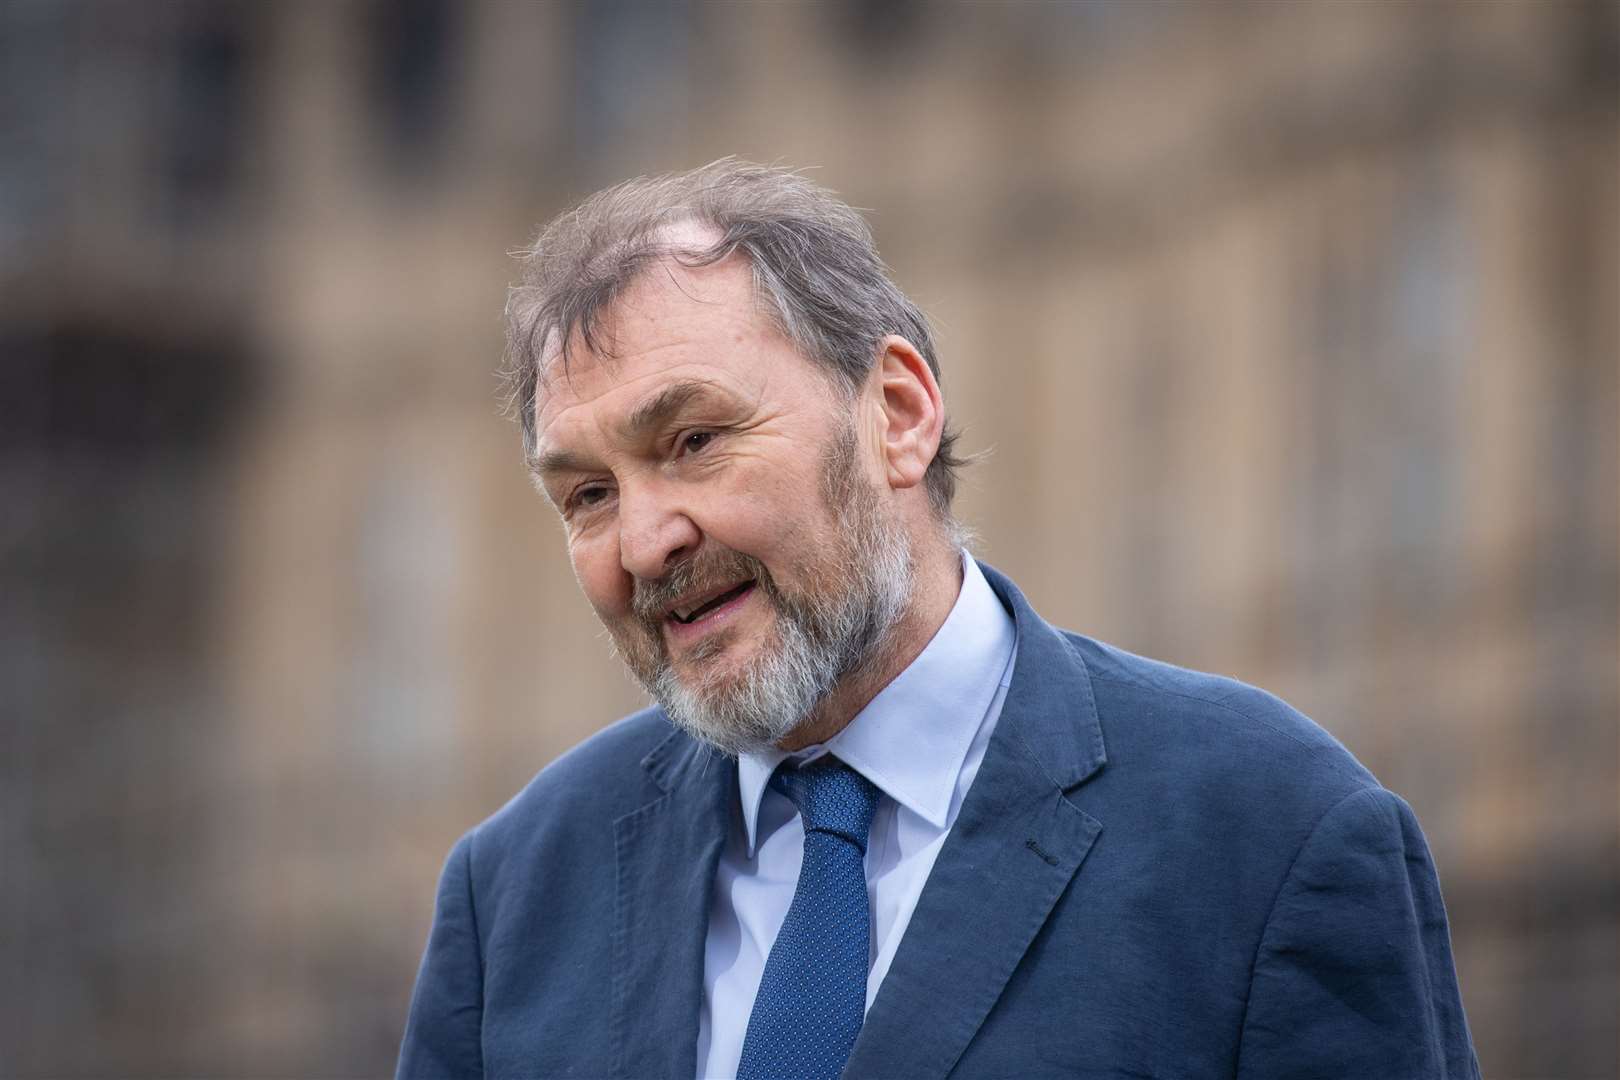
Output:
[[1291, 328]]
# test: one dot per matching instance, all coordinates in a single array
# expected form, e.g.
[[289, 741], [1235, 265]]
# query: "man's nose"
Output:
[[654, 534]]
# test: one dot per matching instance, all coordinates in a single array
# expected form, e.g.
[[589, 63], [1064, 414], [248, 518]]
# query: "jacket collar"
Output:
[[666, 854], [1050, 705], [1017, 845]]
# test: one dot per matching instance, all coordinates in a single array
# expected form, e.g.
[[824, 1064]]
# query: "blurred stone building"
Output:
[[1291, 328]]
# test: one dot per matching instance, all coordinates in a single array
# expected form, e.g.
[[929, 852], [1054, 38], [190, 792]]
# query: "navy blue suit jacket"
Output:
[[1157, 873]]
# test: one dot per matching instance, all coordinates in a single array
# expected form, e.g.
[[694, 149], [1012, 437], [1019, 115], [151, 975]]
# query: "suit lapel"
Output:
[[1012, 852], [667, 853]]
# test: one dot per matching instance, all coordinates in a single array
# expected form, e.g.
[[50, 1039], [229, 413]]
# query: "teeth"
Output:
[[685, 614]]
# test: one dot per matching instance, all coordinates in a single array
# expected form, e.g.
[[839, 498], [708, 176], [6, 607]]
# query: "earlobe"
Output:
[[913, 411]]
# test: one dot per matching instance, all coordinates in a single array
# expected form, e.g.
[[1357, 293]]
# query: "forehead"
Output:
[[672, 323]]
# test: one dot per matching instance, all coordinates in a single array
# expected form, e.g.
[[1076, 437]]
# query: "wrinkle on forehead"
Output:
[[638, 391]]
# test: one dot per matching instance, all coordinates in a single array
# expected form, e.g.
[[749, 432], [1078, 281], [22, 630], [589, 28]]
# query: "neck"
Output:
[[937, 585]]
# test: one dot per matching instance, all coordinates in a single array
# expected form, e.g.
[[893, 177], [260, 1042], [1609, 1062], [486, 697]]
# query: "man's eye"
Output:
[[589, 496], [696, 441]]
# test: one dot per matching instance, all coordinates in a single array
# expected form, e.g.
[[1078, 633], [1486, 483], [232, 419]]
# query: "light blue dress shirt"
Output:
[[920, 741]]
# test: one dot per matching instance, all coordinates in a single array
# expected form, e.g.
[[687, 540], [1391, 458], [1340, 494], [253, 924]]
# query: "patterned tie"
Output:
[[812, 997]]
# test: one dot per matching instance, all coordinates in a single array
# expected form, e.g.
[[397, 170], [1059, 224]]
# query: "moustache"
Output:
[[715, 567]]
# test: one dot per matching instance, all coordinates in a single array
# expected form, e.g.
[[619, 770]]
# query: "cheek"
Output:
[[764, 510], [749, 524], [600, 577]]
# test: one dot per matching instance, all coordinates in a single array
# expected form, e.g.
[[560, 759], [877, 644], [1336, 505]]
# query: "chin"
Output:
[[740, 705]]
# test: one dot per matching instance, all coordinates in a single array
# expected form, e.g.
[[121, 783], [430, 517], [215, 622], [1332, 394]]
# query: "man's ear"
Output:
[[913, 411]]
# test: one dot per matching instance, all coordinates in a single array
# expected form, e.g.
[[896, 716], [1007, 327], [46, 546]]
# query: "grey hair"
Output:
[[816, 272]]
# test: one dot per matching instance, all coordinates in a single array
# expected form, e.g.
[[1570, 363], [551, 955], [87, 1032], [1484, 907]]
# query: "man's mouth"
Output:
[[690, 611]]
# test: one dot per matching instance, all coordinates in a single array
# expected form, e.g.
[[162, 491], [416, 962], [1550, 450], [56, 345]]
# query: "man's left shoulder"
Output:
[[1212, 730]]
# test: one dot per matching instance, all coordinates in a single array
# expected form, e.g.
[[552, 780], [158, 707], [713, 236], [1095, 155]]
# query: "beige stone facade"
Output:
[[1289, 330]]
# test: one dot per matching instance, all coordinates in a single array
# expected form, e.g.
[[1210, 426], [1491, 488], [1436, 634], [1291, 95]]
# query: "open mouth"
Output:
[[691, 615]]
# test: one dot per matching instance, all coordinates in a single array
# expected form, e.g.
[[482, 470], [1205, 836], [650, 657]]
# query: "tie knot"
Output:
[[831, 797]]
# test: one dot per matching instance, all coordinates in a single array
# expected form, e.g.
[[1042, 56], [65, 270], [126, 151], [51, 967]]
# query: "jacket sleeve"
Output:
[[1354, 976], [443, 1032]]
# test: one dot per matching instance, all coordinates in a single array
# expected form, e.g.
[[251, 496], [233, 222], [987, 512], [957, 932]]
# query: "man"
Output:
[[883, 819]]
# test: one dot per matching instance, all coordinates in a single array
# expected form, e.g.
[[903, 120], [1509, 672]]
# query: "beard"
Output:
[[836, 625]]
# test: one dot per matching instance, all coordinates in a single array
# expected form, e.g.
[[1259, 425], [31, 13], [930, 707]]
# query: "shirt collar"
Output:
[[913, 737]]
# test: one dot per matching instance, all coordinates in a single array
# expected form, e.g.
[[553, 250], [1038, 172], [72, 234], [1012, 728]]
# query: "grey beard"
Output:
[[821, 638], [816, 647]]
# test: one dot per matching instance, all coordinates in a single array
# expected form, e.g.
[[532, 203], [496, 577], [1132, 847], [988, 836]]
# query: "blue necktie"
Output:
[[812, 997]]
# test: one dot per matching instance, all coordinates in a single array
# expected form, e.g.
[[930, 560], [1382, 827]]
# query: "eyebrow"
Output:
[[556, 461], [657, 409], [647, 415]]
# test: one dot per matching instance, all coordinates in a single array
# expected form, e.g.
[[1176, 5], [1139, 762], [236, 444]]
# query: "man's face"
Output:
[[719, 515]]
